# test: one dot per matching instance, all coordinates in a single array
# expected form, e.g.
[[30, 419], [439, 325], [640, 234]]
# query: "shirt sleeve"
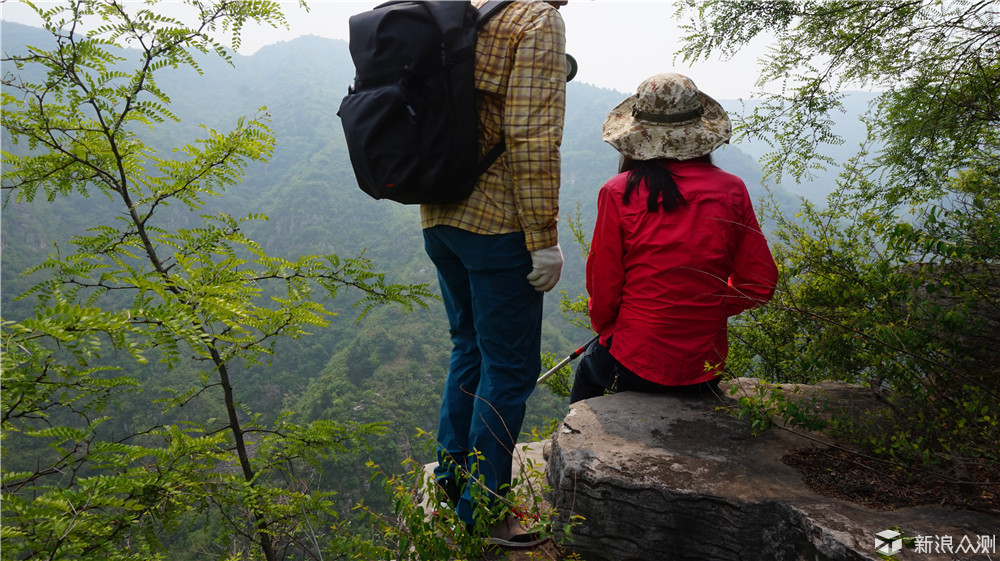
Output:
[[535, 109], [754, 275], [605, 266]]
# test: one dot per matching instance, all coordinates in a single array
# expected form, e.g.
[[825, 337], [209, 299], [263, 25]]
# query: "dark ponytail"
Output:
[[659, 181]]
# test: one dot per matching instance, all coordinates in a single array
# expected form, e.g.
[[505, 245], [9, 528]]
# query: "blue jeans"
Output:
[[495, 319], [599, 372]]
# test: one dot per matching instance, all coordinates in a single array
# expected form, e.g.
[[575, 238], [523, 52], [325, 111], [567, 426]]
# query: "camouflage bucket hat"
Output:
[[668, 117]]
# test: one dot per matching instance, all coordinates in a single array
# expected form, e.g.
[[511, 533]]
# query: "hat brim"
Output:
[[643, 140]]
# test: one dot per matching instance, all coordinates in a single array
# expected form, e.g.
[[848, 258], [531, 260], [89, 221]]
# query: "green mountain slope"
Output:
[[390, 366]]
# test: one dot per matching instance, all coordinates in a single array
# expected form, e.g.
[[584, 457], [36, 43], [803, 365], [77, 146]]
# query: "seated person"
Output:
[[676, 250]]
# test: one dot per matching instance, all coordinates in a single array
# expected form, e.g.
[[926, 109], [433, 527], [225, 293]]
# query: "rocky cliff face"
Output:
[[672, 478]]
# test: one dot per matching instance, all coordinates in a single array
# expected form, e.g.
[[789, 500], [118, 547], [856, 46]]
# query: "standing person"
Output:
[[676, 249], [496, 253]]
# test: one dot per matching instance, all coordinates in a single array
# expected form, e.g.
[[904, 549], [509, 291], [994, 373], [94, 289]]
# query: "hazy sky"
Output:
[[617, 43]]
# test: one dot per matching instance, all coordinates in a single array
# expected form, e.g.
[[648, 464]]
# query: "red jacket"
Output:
[[665, 283]]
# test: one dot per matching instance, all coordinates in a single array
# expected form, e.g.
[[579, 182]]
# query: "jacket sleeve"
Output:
[[535, 110], [755, 274], [605, 266]]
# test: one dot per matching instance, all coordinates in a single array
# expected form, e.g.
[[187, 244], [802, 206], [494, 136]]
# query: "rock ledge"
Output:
[[664, 477]]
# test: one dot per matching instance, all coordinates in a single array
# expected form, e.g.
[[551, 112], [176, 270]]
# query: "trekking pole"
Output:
[[565, 361]]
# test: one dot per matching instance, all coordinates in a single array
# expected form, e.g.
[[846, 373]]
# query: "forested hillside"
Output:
[[219, 329], [308, 192], [386, 368]]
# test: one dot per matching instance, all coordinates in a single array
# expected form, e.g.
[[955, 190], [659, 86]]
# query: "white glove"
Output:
[[546, 268]]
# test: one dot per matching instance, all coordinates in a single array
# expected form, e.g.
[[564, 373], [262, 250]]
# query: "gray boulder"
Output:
[[645, 477]]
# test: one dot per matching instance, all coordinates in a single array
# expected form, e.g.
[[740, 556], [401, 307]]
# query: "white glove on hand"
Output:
[[546, 268]]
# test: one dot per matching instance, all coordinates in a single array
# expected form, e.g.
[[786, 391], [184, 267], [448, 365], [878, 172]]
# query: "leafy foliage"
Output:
[[895, 283], [424, 526], [136, 288]]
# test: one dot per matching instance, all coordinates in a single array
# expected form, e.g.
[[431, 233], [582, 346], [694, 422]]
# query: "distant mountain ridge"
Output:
[[308, 189]]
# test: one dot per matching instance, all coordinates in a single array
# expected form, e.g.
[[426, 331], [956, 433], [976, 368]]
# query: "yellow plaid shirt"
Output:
[[521, 98]]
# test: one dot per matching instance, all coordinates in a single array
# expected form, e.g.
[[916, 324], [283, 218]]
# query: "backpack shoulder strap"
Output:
[[490, 9]]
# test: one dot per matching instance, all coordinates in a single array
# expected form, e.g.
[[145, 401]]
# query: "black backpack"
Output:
[[410, 116]]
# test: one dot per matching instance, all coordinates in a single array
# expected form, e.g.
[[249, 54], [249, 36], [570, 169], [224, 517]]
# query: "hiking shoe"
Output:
[[448, 492], [509, 533]]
